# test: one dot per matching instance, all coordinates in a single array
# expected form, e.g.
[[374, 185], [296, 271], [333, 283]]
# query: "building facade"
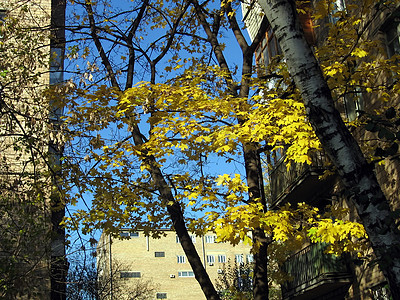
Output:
[[163, 262], [32, 246], [316, 275]]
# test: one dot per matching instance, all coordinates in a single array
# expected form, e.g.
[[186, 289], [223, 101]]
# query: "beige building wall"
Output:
[[157, 260], [25, 138]]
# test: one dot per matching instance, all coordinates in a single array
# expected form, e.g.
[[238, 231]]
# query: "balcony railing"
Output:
[[297, 182], [315, 273]]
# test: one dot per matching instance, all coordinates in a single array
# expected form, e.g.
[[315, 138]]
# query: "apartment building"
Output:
[[316, 275], [32, 242], [162, 261]]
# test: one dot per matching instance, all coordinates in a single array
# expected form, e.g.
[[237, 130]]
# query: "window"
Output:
[[267, 48], [161, 296], [210, 239], [128, 234], [185, 274], [353, 104], [3, 14], [129, 274], [380, 292], [210, 259], [239, 258], [337, 7], [221, 258], [180, 259], [159, 254], [393, 36], [124, 234], [193, 237], [249, 258]]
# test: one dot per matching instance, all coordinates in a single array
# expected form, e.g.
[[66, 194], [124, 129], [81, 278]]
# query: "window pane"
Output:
[[221, 258], [161, 296], [180, 259], [210, 239], [159, 254], [393, 39], [129, 274], [239, 258], [185, 274], [210, 259]]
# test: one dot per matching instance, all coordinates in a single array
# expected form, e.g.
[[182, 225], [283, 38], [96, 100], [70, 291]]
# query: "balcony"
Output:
[[316, 275], [300, 183]]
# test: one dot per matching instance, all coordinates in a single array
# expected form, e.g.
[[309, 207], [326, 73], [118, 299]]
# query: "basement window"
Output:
[[129, 274]]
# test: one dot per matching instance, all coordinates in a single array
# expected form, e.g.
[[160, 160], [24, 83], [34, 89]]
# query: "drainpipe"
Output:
[[111, 270], [204, 253]]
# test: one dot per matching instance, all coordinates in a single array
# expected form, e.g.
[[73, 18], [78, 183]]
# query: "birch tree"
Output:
[[356, 173]]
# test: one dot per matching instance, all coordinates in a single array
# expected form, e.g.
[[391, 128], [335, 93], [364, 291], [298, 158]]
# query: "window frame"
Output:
[[184, 274], [210, 258], [130, 274], [239, 261], [181, 259], [210, 239], [161, 295], [159, 253], [221, 258]]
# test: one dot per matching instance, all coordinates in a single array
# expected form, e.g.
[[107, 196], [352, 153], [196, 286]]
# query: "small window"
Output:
[[193, 237], [239, 258], [250, 258], [159, 254], [185, 274], [210, 239], [338, 6], [222, 258], [161, 296], [129, 274], [3, 14], [210, 259], [180, 259], [267, 49], [129, 234]]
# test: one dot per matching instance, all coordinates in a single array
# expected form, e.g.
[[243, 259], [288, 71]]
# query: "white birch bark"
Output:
[[357, 175]]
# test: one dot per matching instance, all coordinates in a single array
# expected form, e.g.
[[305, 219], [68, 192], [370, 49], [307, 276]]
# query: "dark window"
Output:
[[3, 14], [161, 296], [159, 254], [129, 234], [267, 48], [393, 37], [129, 274], [124, 234]]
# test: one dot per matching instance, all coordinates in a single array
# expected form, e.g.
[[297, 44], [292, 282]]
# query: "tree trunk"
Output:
[[357, 175], [175, 212]]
